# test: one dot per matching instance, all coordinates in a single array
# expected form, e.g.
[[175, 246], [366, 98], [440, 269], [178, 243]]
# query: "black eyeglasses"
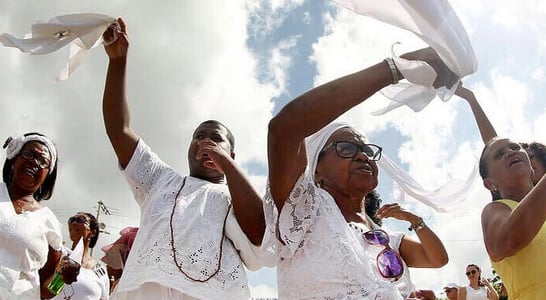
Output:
[[345, 149], [471, 272], [80, 219], [43, 162]]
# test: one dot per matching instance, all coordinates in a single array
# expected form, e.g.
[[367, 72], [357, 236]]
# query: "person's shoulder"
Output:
[[100, 270]]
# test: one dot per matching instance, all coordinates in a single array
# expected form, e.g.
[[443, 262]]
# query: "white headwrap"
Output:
[[15, 145], [442, 199]]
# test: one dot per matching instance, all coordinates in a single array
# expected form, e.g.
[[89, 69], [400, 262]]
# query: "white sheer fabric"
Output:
[[24, 241], [83, 30], [437, 24], [198, 224]]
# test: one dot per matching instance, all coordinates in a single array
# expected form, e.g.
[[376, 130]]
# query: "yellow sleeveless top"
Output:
[[524, 273]]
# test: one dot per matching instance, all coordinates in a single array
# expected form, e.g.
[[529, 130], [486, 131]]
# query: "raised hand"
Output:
[[212, 155], [116, 42], [445, 76]]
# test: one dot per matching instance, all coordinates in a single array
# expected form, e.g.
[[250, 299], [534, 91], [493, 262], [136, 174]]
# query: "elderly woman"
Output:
[[30, 239], [92, 281], [319, 174], [513, 223]]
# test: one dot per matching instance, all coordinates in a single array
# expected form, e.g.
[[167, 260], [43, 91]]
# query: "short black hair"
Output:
[[46, 189]]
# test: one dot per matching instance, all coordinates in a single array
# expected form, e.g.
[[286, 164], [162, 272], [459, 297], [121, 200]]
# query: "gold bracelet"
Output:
[[418, 226], [394, 71]]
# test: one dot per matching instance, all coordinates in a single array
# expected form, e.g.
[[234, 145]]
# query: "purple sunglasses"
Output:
[[389, 262]]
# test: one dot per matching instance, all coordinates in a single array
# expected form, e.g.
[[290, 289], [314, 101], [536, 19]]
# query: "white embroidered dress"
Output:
[[24, 244], [320, 256], [198, 225]]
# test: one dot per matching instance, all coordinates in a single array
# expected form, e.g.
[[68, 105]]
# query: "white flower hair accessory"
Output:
[[15, 144]]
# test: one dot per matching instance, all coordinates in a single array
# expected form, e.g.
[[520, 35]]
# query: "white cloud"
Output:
[[263, 291], [281, 61], [187, 63]]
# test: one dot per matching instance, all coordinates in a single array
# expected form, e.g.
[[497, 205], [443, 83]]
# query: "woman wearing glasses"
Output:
[[477, 288], [93, 282], [319, 174], [30, 235]]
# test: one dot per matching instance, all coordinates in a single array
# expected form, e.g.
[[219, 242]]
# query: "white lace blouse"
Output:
[[24, 245], [320, 256], [198, 225]]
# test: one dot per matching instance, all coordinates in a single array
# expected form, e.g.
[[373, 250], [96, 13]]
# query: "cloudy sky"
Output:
[[240, 62]]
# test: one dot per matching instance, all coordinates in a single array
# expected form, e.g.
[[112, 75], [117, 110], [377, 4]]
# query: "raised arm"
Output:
[[487, 131], [115, 106], [247, 203], [316, 108]]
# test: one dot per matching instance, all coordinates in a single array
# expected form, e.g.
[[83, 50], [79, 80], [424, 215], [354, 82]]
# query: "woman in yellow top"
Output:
[[513, 223]]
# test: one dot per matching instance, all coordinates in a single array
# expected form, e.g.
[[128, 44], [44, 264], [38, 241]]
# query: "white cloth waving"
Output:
[[83, 30], [437, 24]]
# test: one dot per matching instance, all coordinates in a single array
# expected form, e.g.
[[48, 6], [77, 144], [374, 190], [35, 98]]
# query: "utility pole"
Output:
[[101, 208]]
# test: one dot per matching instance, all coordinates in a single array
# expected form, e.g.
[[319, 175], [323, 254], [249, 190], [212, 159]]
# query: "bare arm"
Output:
[[428, 252], [506, 232], [247, 204], [47, 272], [487, 131], [461, 293], [115, 106], [316, 108], [491, 292]]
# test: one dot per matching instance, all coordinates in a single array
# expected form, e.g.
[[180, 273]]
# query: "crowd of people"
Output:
[[319, 224]]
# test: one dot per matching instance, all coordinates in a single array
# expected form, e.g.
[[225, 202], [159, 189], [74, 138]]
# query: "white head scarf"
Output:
[[315, 142], [15, 145], [441, 199]]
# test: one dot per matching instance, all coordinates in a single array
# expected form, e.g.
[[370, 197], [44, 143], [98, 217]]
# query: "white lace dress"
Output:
[[198, 226], [320, 256], [24, 244]]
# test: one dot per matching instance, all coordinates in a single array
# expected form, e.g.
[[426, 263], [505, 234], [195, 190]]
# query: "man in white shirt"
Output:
[[195, 231]]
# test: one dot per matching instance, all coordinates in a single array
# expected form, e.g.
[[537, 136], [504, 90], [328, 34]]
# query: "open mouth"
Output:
[[514, 161]]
